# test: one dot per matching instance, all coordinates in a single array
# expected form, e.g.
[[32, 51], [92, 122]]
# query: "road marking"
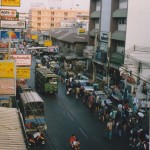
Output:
[[70, 117], [83, 133]]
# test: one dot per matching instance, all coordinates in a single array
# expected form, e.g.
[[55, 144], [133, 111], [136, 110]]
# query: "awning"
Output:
[[95, 14], [120, 13], [118, 35]]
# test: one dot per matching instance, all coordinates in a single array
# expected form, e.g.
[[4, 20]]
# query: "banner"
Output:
[[13, 24], [11, 3], [23, 73], [22, 60], [7, 69], [14, 35], [47, 43], [7, 87]]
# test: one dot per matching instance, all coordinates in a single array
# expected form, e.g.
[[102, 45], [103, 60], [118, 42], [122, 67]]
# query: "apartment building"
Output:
[[41, 19], [121, 26]]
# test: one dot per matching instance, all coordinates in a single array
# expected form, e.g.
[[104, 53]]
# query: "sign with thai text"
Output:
[[22, 60], [7, 69], [13, 24], [23, 73], [11, 3]]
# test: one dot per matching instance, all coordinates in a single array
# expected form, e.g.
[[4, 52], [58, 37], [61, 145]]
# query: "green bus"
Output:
[[46, 81]]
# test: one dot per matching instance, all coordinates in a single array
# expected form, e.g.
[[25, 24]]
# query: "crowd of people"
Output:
[[120, 119]]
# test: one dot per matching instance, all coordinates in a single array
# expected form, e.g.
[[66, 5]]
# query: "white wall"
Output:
[[138, 23]]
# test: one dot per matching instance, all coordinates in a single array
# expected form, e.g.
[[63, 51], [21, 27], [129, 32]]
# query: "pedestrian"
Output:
[[109, 128], [77, 92], [134, 109]]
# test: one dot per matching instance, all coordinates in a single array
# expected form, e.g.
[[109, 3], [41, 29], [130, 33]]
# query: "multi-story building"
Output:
[[118, 29], [45, 19]]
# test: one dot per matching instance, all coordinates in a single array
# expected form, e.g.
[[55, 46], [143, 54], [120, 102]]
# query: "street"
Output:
[[66, 116]]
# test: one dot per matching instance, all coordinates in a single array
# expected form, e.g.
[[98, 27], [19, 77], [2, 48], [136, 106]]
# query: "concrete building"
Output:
[[120, 32], [44, 19]]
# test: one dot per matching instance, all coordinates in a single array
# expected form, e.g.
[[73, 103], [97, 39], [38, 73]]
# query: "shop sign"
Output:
[[34, 37], [81, 31], [9, 18], [8, 13], [8, 87], [47, 43], [7, 69], [13, 24], [22, 60], [104, 41], [23, 73], [14, 35], [11, 3]]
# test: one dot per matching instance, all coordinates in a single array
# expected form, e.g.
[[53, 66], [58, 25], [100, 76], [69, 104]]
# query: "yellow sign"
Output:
[[11, 3], [34, 37], [47, 43], [23, 73], [7, 69], [81, 31]]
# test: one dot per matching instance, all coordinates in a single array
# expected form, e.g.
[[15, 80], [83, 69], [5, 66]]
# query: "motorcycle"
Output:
[[36, 139], [75, 145]]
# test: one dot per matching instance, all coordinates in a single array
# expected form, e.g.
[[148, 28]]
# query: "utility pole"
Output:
[[95, 48], [9, 45], [108, 59]]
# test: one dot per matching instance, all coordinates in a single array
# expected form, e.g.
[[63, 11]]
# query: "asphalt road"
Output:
[[65, 116]]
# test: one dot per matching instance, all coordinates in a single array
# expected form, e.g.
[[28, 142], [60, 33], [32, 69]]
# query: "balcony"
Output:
[[119, 35], [120, 13], [93, 31], [95, 14], [117, 58]]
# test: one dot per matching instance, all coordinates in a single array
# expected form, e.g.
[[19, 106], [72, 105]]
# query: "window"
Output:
[[39, 18], [65, 13], [122, 21], [52, 19], [52, 13], [121, 1], [121, 43], [38, 24], [52, 24], [39, 12]]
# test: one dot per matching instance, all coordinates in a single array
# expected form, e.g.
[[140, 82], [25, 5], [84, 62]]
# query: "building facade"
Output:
[[41, 19], [118, 30]]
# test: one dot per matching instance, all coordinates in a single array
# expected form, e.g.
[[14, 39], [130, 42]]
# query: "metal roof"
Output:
[[29, 97], [120, 13], [11, 134]]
